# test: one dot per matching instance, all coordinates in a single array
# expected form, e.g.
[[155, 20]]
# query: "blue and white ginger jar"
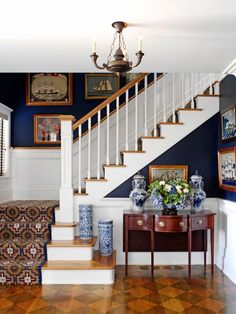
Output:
[[138, 195], [199, 195]]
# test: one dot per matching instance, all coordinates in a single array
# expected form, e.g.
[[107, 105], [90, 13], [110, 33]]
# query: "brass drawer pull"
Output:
[[199, 222], [162, 224], [140, 222], [181, 223]]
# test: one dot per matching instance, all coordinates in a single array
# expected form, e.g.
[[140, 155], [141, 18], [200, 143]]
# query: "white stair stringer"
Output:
[[153, 148]]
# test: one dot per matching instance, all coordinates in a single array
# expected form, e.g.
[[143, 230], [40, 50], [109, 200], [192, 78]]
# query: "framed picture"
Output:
[[158, 172], [101, 86], [228, 124], [47, 129], [226, 168], [49, 89]]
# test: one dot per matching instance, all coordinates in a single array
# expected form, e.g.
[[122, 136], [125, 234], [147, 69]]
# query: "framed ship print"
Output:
[[226, 168], [159, 172], [228, 124], [47, 129], [101, 86], [49, 89]]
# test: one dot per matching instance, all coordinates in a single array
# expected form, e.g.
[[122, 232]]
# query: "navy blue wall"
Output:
[[227, 101], [198, 150], [13, 95]]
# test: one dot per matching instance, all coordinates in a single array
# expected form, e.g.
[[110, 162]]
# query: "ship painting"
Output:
[[49, 87], [100, 86], [228, 124], [103, 85]]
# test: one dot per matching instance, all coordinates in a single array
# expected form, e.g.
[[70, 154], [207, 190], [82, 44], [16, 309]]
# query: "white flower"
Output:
[[186, 190], [167, 187], [162, 183]]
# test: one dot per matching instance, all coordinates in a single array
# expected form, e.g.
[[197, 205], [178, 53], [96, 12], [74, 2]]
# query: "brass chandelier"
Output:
[[120, 64]]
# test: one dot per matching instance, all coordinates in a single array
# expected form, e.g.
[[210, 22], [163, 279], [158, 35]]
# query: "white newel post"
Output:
[[66, 190]]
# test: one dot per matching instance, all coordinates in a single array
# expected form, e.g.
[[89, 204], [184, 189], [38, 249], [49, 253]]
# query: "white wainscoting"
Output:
[[226, 253], [35, 173], [5, 189], [112, 208]]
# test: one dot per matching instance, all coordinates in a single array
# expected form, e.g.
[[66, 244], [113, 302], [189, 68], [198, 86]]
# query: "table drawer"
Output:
[[140, 222], [171, 224], [199, 222]]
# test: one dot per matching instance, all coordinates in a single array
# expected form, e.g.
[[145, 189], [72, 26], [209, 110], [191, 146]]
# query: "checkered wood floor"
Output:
[[169, 292]]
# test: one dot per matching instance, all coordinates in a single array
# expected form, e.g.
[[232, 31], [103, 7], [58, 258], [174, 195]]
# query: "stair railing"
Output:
[[133, 111]]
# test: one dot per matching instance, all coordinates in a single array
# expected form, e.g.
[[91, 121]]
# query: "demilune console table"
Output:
[[151, 231]]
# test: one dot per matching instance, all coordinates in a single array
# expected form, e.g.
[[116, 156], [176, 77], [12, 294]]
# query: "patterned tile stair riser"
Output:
[[25, 228]]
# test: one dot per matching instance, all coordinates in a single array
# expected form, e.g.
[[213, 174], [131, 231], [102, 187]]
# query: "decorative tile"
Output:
[[140, 305], [139, 292], [171, 292], [212, 305], [176, 305], [104, 306]]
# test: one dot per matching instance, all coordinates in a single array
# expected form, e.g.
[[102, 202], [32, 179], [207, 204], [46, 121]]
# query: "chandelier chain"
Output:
[[111, 48]]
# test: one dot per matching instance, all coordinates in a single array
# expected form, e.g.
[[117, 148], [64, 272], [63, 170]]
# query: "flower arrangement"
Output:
[[167, 193]]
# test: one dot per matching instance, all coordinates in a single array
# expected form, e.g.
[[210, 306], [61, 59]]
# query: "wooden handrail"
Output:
[[108, 101]]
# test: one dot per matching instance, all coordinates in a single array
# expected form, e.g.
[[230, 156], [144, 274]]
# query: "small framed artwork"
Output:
[[228, 124], [226, 168], [47, 129], [159, 172], [49, 89], [101, 86]]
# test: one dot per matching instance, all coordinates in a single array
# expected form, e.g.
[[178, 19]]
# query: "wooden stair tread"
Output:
[[114, 165], [71, 243], [151, 137], [207, 96], [65, 224], [97, 263], [171, 123], [189, 109], [83, 193], [95, 179], [133, 151]]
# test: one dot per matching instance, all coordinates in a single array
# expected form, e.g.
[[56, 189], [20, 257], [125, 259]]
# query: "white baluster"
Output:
[[126, 119], [89, 147], [98, 147], [108, 140], [192, 90], [182, 90], [136, 118], [117, 130], [145, 106], [155, 106], [164, 101], [80, 157], [173, 100]]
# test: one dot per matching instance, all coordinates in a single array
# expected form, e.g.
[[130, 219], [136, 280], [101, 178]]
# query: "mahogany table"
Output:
[[184, 222]]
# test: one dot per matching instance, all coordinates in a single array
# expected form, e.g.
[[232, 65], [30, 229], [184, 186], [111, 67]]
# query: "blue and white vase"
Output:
[[199, 195], [86, 221], [138, 195], [105, 234]]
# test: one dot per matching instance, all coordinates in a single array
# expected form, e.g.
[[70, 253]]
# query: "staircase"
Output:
[[24, 231], [111, 143]]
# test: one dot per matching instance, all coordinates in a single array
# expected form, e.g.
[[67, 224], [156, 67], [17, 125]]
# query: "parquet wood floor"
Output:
[[169, 292]]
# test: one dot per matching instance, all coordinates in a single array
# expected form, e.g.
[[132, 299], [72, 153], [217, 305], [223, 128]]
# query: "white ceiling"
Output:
[[57, 35]]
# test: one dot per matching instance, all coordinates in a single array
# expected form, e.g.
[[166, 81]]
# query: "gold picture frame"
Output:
[[226, 168], [158, 172], [49, 89], [101, 86], [47, 129]]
